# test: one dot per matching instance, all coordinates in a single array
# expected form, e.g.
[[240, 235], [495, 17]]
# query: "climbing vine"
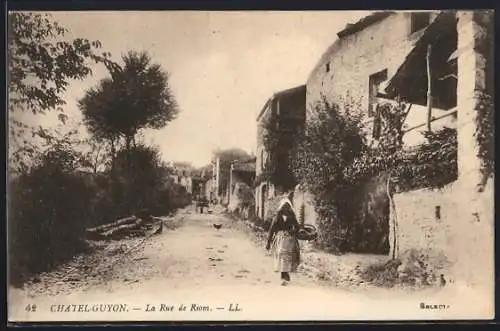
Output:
[[485, 134], [334, 161], [277, 141], [432, 164], [329, 143]]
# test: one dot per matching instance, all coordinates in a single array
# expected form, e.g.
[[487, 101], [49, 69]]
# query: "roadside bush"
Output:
[[382, 274], [140, 183], [136, 183], [52, 204], [47, 211], [329, 144], [415, 268]]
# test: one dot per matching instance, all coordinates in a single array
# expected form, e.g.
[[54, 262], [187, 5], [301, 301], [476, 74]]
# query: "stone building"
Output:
[[358, 66], [215, 189], [182, 174], [283, 113], [241, 179], [388, 55]]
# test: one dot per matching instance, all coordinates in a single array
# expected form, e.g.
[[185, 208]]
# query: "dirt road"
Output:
[[216, 275]]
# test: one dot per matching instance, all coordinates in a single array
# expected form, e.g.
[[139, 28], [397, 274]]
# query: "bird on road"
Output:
[[217, 225], [160, 229], [442, 280]]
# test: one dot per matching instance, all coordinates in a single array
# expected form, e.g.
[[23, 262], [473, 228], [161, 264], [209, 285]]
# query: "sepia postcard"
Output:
[[250, 166]]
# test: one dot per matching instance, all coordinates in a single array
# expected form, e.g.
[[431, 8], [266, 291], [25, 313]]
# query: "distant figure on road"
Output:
[[282, 239], [202, 202]]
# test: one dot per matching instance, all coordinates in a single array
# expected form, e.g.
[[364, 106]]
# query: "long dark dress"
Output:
[[284, 244]]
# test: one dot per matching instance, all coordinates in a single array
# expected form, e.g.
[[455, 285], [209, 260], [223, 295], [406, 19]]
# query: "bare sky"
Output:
[[223, 66]]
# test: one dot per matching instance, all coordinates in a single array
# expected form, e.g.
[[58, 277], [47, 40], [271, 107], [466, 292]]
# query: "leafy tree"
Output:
[[142, 178], [135, 97], [228, 155], [46, 140], [96, 158], [41, 65], [330, 142], [100, 116]]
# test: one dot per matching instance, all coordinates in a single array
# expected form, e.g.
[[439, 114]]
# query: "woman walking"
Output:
[[282, 239]]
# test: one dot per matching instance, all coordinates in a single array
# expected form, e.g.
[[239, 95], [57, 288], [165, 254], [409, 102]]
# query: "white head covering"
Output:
[[283, 202]]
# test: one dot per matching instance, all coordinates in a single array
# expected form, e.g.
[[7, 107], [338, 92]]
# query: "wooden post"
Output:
[[429, 88]]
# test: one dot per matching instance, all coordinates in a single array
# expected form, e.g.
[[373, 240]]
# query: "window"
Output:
[[376, 82], [328, 67], [419, 21]]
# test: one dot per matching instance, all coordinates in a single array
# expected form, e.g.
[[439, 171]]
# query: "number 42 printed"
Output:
[[30, 308]]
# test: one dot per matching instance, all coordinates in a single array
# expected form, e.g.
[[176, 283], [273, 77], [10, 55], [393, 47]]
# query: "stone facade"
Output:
[[457, 235], [455, 224], [343, 72], [288, 107]]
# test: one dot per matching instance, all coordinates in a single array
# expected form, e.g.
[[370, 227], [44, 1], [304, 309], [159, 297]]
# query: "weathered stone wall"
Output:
[[458, 237], [420, 225], [382, 45]]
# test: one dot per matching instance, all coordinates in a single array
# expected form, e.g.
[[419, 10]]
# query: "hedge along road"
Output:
[[197, 272]]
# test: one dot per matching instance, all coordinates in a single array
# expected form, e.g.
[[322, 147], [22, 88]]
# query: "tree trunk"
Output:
[[128, 142], [113, 151], [128, 171], [96, 160], [128, 145], [108, 226]]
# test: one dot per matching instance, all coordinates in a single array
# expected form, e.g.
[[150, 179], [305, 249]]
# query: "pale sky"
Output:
[[223, 66]]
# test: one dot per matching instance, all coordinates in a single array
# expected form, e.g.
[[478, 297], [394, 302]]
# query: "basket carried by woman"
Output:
[[307, 232]]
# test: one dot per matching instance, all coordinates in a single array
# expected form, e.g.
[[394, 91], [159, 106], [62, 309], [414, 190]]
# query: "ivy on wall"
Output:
[[485, 134], [432, 165], [327, 146], [277, 141], [334, 162]]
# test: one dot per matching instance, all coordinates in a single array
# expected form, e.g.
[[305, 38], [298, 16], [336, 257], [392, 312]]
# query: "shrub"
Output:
[[329, 144], [48, 208], [51, 205], [138, 181], [413, 268], [382, 274]]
